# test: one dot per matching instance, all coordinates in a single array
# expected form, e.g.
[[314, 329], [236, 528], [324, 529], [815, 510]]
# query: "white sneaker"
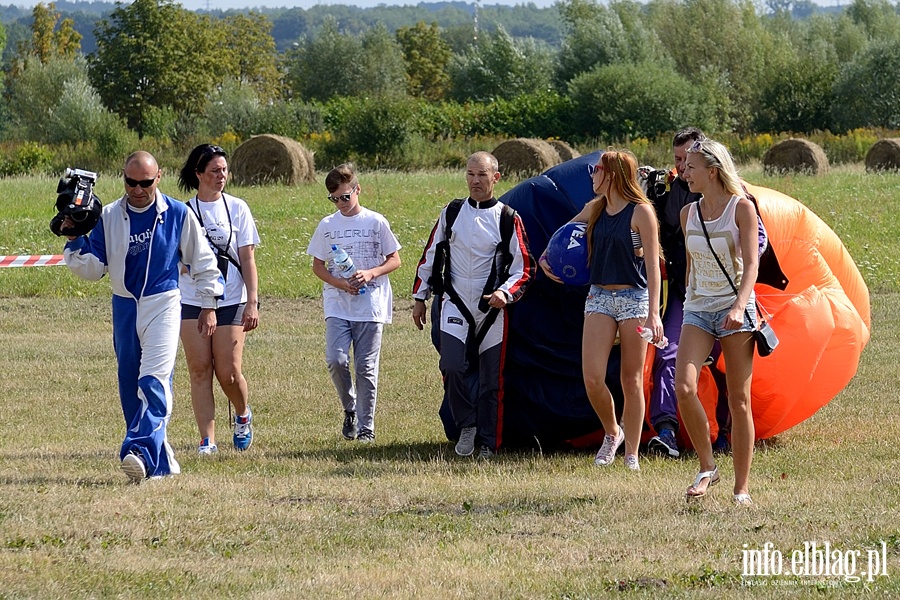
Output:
[[206, 448], [133, 466], [607, 452], [466, 444], [631, 461]]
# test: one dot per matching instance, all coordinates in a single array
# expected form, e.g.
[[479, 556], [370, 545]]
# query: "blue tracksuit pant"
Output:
[[145, 338]]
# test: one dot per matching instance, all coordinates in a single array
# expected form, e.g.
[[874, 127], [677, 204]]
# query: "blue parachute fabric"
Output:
[[544, 397]]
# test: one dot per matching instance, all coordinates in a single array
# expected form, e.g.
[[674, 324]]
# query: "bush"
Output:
[[537, 115], [797, 97], [849, 148], [28, 158], [374, 130], [623, 101]]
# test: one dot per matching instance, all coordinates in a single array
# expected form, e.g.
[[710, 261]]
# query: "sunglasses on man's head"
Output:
[[135, 183], [342, 197]]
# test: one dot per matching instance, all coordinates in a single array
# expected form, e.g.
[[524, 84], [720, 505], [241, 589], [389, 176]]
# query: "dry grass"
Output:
[[305, 514]]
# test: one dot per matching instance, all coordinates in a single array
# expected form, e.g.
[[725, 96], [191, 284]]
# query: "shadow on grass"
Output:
[[27, 480]]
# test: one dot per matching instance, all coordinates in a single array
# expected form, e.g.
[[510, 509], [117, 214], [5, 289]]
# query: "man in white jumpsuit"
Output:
[[473, 324]]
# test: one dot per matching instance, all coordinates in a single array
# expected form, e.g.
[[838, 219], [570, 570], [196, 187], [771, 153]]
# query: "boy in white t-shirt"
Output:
[[351, 317]]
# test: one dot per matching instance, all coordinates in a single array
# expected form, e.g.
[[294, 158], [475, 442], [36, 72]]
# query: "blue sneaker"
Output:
[[243, 431], [664, 444]]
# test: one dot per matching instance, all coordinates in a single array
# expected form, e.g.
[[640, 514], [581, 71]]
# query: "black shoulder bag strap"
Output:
[[221, 252], [721, 266]]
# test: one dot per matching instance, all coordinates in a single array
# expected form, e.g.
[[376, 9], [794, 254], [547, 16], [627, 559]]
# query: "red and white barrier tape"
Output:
[[32, 260]]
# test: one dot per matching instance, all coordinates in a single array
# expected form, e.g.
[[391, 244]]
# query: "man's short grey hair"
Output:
[[482, 156]]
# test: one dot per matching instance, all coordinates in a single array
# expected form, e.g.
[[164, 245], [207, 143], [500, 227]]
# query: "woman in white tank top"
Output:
[[713, 311]]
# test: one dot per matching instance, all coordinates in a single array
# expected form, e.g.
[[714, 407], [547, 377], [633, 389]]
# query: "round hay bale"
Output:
[[266, 159], [525, 157], [565, 151], [794, 155], [884, 155]]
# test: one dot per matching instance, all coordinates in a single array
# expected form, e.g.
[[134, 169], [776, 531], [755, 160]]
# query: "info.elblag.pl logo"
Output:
[[815, 560]]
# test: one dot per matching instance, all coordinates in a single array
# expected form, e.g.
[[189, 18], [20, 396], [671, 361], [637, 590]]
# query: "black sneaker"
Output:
[[349, 429], [664, 444], [365, 436]]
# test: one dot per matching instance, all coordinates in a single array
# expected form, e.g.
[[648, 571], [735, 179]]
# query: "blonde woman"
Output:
[[623, 246], [721, 236]]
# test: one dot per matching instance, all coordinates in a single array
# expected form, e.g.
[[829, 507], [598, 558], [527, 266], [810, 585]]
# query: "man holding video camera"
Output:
[[139, 241]]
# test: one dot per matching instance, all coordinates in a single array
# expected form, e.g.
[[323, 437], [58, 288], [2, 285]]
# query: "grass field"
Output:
[[305, 514]]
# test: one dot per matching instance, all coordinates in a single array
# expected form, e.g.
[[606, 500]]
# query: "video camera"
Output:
[[76, 200]]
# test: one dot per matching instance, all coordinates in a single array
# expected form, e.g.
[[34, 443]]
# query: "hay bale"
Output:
[[884, 155], [795, 156], [565, 151], [525, 157], [266, 159]]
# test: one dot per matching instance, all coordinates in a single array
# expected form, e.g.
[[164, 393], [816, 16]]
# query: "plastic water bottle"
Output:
[[344, 264], [647, 335]]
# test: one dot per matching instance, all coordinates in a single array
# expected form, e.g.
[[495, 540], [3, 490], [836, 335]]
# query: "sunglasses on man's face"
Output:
[[135, 183], [342, 197]]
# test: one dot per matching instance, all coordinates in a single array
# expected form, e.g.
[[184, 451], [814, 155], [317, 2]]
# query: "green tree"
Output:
[[602, 35], [867, 90], [427, 56], [382, 57], [879, 18], [36, 90], [325, 65], [722, 36], [44, 43], [497, 66], [253, 60], [154, 53]]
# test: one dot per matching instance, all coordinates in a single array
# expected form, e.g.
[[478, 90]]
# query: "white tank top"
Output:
[[708, 289]]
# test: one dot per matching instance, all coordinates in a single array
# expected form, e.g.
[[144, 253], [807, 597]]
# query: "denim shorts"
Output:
[[630, 303], [711, 322]]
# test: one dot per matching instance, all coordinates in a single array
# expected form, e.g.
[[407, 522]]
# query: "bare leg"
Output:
[[634, 353], [596, 343], [228, 351], [198, 352], [693, 348], [738, 351]]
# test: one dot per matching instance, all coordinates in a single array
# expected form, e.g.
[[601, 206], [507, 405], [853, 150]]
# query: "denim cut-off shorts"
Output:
[[630, 303], [711, 322]]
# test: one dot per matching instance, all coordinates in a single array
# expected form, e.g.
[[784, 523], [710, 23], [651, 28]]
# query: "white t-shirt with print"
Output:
[[222, 223], [368, 239]]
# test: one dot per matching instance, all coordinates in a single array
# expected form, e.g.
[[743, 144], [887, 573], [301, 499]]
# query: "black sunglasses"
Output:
[[134, 182], [343, 197]]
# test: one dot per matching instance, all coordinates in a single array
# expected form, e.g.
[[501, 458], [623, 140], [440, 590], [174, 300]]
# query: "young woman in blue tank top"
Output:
[[623, 242], [712, 310]]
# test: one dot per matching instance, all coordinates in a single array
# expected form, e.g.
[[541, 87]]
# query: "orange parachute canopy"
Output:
[[822, 319]]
